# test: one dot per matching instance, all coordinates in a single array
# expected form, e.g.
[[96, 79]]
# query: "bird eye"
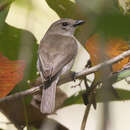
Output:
[[65, 24]]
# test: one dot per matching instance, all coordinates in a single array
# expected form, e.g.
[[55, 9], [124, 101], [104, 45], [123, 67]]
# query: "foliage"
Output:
[[112, 23], [123, 96], [108, 21], [11, 72], [12, 40]]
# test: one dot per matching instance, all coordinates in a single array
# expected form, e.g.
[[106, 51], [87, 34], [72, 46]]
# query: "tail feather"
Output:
[[48, 97]]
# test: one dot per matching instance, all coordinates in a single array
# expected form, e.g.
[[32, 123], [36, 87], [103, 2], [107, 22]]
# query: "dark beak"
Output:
[[78, 22]]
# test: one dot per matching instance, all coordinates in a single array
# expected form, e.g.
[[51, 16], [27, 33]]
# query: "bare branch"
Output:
[[68, 77], [21, 94]]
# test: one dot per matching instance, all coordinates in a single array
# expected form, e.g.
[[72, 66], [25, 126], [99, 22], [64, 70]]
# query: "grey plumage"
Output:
[[56, 55]]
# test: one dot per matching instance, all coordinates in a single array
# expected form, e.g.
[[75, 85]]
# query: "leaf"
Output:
[[125, 6], [63, 8], [18, 44], [11, 73], [112, 47], [123, 74], [74, 100], [3, 13], [123, 94]]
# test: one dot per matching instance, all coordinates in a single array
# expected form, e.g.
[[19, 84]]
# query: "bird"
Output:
[[56, 55]]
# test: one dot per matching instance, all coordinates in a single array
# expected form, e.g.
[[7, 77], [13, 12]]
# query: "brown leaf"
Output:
[[11, 73], [113, 47]]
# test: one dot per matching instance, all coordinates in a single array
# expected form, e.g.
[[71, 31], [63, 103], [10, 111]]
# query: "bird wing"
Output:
[[55, 52]]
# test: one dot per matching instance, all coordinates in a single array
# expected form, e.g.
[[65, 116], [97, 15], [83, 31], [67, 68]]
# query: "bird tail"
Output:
[[48, 97]]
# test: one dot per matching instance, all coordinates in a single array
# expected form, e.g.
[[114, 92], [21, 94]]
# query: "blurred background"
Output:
[[23, 23]]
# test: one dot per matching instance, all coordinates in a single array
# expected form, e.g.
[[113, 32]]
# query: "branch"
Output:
[[87, 110], [21, 94], [68, 77], [106, 63]]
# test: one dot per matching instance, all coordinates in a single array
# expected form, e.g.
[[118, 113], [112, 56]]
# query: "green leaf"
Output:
[[18, 44], [3, 12], [123, 74], [74, 99], [64, 8], [123, 94]]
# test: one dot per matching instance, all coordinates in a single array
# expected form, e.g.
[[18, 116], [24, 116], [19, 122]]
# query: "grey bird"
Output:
[[56, 55]]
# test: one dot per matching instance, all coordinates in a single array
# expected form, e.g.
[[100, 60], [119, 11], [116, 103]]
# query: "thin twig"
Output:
[[87, 109], [69, 77], [90, 102], [21, 94]]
